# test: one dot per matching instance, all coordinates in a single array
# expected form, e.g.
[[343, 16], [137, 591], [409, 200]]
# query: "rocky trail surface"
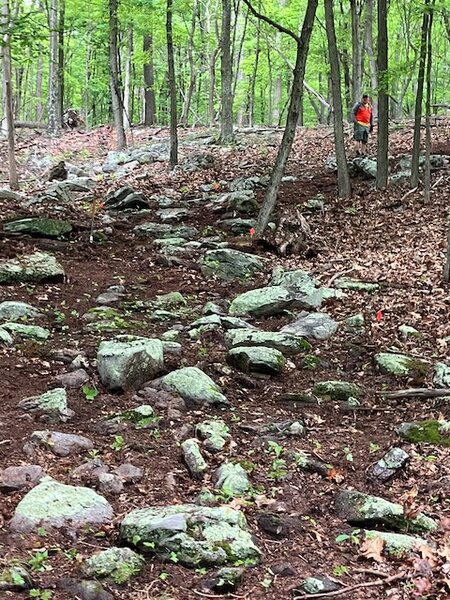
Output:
[[188, 414]]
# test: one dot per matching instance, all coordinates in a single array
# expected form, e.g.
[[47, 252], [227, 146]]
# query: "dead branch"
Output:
[[350, 588], [336, 275], [408, 194], [415, 392]]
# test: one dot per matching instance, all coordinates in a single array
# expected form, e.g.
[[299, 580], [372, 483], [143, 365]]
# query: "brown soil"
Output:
[[380, 236]]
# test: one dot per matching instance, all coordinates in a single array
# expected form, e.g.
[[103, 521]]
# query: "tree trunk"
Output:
[[149, 82], [427, 179], [127, 110], [252, 86], [356, 49], [419, 99], [7, 97], [116, 94], [172, 88], [54, 118], [383, 99], [368, 42], [61, 79], [192, 74], [344, 188], [226, 117], [292, 119]]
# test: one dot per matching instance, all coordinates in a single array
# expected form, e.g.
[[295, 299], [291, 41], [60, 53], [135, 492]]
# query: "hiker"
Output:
[[362, 116]]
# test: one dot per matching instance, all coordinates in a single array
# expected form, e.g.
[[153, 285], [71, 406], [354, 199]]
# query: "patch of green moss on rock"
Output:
[[430, 431]]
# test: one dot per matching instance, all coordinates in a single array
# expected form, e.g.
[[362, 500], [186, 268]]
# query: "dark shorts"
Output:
[[361, 133]]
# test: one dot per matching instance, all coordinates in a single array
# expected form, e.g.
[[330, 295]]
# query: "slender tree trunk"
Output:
[[226, 120], [447, 261], [127, 110], [292, 119], [149, 82], [54, 118], [344, 188], [368, 42], [252, 87], [383, 98], [7, 97], [356, 50], [419, 99], [427, 179], [61, 70], [39, 77], [192, 73], [172, 88], [116, 94]]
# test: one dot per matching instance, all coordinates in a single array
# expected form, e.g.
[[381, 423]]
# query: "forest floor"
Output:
[[390, 237]]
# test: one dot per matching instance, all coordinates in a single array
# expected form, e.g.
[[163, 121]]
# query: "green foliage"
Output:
[[90, 393]]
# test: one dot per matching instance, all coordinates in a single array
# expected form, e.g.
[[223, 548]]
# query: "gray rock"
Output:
[[297, 280], [61, 444], [390, 464], [33, 332], [224, 580], [194, 386], [196, 534], [263, 302], [355, 285], [286, 343], [400, 365], [441, 378], [230, 264], [15, 311], [173, 215], [74, 379], [361, 509], [408, 331], [126, 363], [6, 338], [90, 471], [108, 483], [431, 431], [193, 458], [124, 198], [231, 479], [39, 226], [164, 230], [312, 326], [365, 165], [238, 226], [355, 323], [241, 201], [319, 584], [274, 525], [53, 402], [256, 359], [17, 478], [141, 417], [37, 267], [52, 504], [337, 390], [128, 473], [15, 578], [119, 564], [84, 589]]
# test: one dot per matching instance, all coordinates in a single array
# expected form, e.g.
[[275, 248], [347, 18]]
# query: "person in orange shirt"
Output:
[[362, 116]]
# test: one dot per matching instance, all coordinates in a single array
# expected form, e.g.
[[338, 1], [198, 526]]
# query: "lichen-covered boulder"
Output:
[[231, 479], [194, 386], [39, 226], [362, 509], [441, 378], [263, 302], [287, 343], [397, 544], [312, 326], [13, 311], [196, 535], [120, 564], [337, 390], [53, 402], [33, 332], [215, 433], [36, 267], [54, 505], [230, 264], [256, 359], [126, 363], [400, 365]]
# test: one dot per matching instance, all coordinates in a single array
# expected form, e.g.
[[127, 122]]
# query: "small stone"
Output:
[[274, 525], [355, 323], [231, 479], [224, 580], [400, 365], [257, 359], [128, 473], [337, 390], [193, 458], [108, 483], [61, 444], [318, 584], [284, 569], [76, 379], [84, 589], [390, 464], [120, 564], [17, 478]]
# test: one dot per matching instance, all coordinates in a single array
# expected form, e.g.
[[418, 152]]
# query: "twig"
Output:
[[350, 588], [336, 275], [437, 182], [408, 193], [415, 392], [5, 442]]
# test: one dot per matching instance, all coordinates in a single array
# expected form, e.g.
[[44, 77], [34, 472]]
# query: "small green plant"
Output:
[[268, 580], [60, 317], [340, 570], [73, 554], [90, 393], [352, 537], [201, 571], [40, 594], [348, 454], [274, 448], [41, 532], [373, 447], [155, 434], [93, 453], [277, 469], [164, 575], [38, 561], [173, 556], [118, 444]]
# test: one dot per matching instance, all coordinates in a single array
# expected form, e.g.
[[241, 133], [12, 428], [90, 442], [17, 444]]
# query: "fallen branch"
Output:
[[408, 194], [415, 392], [336, 275], [357, 586]]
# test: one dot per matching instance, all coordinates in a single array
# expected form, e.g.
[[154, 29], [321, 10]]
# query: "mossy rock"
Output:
[[337, 390], [430, 431], [120, 564], [400, 365]]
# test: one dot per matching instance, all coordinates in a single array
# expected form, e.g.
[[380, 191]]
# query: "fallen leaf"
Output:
[[372, 548]]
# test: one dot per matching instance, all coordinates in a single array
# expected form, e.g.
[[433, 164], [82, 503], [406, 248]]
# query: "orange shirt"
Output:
[[363, 114]]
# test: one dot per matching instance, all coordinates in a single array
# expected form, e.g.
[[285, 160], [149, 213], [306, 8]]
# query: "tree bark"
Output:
[[356, 49], [192, 73], [7, 96], [61, 70], [226, 118], [116, 94], [149, 83], [172, 88], [427, 178], [54, 118], [344, 188], [383, 98], [293, 113], [127, 109], [368, 42], [419, 99]]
